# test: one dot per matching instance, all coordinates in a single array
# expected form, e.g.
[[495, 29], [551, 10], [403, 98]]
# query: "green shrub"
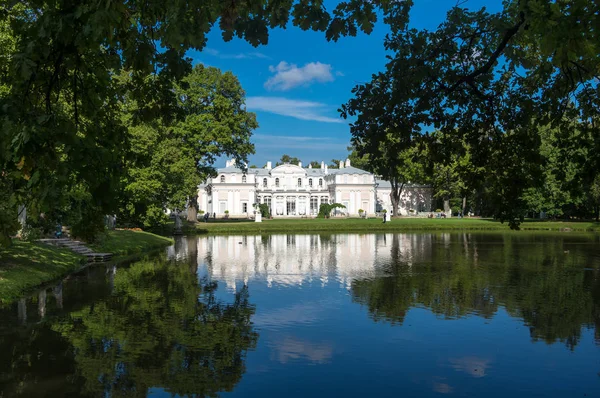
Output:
[[326, 208], [226, 211], [438, 210], [265, 212], [360, 211], [31, 233]]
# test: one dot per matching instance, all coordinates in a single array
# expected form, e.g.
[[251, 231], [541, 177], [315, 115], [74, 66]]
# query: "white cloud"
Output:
[[288, 76], [303, 110], [248, 55]]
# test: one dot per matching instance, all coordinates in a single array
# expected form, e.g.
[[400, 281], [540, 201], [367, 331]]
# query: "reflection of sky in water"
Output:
[[314, 340], [408, 315]]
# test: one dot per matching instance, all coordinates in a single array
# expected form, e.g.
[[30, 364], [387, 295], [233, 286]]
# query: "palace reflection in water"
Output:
[[417, 314]]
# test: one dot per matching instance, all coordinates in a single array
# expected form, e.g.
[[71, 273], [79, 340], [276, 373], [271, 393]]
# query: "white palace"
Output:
[[291, 190]]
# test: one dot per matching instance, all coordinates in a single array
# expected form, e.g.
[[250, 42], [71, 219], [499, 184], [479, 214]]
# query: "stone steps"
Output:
[[79, 248]]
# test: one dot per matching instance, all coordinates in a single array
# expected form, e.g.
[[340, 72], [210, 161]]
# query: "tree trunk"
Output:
[[395, 196], [464, 205], [192, 210], [446, 205]]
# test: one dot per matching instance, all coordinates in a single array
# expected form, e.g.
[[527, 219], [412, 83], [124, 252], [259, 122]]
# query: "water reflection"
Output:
[[551, 282], [434, 313], [159, 326]]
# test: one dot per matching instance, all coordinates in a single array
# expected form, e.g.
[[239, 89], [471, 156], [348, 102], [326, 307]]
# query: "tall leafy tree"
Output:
[[213, 122], [59, 121], [486, 78]]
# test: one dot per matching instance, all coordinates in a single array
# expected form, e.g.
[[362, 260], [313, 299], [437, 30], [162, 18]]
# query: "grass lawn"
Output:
[[25, 265], [121, 243], [376, 225]]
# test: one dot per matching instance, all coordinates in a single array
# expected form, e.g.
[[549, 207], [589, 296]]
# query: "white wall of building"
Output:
[[294, 191]]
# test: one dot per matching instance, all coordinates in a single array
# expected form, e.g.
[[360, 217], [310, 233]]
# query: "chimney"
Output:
[[325, 169], [310, 165], [269, 165], [322, 164], [347, 162], [299, 164], [341, 164], [227, 163]]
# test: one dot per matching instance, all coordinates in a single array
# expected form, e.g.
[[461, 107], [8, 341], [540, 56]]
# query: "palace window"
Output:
[[314, 205], [310, 182], [320, 182], [222, 178], [264, 182], [299, 182], [345, 179], [244, 180], [277, 182]]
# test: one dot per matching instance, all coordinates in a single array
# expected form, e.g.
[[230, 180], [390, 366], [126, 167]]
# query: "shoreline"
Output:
[[26, 266], [356, 225]]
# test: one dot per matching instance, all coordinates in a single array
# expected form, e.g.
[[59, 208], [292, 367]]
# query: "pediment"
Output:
[[288, 169]]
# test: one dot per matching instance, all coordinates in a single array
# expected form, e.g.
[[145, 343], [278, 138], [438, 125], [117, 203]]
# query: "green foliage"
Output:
[[169, 158], [265, 212], [287, 159], [62, 99], [489, 82], [30, 233], [197, 342], [326, 208], [25, 265]]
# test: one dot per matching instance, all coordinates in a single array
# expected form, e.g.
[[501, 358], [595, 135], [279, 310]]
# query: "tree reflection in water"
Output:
[[160, 327], [545, 285]]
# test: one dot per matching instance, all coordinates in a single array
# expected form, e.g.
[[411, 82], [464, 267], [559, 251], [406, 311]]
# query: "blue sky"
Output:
[[296, 83]]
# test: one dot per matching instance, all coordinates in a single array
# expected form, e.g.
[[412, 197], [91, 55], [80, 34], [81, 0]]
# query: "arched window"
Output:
[[346, 179], [277, 182], [244, 179], [320, 182], [222, 178], [299, 182], [264, 182], [310, 182]]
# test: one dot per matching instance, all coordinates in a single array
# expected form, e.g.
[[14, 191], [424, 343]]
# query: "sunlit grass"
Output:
[[376, 225], [25, 265], [121, 243]]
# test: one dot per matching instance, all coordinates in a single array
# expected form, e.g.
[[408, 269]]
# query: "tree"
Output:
[[60, 124], [213, 122], [287, 159], [314, 164], [356, 160], [595, 196], [335, 163], [486, 79]]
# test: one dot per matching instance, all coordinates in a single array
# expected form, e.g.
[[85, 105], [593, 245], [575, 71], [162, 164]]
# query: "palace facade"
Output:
[[291, 190]]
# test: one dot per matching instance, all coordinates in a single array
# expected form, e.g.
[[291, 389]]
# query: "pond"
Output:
[[385, 315]]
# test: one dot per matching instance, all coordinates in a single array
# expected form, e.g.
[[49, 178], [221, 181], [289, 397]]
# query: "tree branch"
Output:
[[508, 35]]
